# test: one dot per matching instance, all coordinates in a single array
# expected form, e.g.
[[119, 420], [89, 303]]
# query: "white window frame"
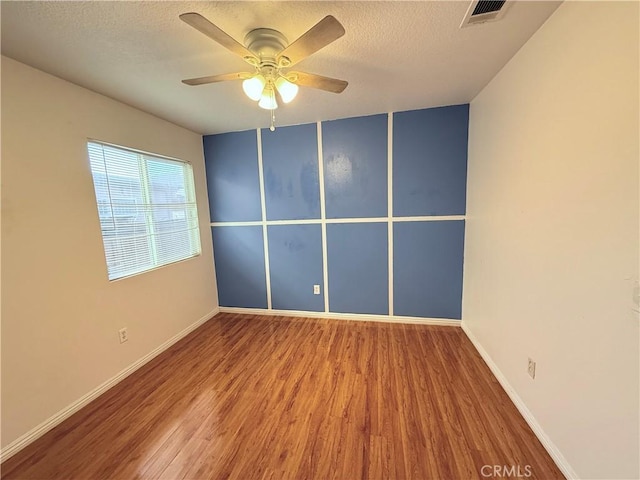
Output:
[[188, 206]]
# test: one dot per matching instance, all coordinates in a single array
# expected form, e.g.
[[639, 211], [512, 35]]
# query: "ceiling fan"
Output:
[[270, 55]]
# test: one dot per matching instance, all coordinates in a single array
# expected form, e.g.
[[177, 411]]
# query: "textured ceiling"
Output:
[[396, 55]]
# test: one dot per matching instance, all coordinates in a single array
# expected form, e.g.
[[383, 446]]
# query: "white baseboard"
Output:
[[549, 446], [35, 433], [343, 316]]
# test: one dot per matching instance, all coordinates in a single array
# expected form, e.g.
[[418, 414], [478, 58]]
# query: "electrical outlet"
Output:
[[531, 369], [316, 289], [124, 335]]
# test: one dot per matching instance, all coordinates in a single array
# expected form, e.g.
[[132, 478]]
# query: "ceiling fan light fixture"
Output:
[[286, 89], [268, 98], [254, 87], [268, 51]]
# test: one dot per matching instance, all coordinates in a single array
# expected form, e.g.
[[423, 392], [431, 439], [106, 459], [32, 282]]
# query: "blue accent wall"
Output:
[[231, 162], [429, 173], [295, 265], [430, 161], [290, 163], [358, 268], [355, 167], [239, 262], [427, 268]]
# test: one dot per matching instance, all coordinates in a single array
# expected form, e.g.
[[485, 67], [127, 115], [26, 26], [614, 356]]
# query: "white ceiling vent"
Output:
[[481, 11]]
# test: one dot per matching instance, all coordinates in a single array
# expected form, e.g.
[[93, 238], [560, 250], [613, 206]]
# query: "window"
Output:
[[147, 209]]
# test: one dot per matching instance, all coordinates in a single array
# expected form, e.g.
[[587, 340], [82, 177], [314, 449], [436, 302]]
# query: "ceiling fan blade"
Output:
[[200, 23], [320, 35], [217, 78], [317, 81]]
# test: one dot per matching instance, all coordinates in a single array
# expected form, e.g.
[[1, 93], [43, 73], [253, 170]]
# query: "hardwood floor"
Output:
[[250, 397]]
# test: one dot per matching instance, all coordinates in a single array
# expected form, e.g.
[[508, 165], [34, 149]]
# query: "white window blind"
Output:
[[147, 209]]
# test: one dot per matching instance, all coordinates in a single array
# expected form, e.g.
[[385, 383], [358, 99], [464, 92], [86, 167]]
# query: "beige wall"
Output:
[[552, 232], [60, 314]]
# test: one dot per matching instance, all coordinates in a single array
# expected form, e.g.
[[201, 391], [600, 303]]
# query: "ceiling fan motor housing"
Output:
[[266, 44]]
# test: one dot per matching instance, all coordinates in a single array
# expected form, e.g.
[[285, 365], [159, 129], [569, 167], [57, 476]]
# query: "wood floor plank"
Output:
[[254, 397]]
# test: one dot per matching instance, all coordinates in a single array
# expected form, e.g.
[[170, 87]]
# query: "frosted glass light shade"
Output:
[[254, 86], [268, 99], [287, 90]]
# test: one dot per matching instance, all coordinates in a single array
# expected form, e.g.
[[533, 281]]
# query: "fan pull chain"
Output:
[[273, 121]]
